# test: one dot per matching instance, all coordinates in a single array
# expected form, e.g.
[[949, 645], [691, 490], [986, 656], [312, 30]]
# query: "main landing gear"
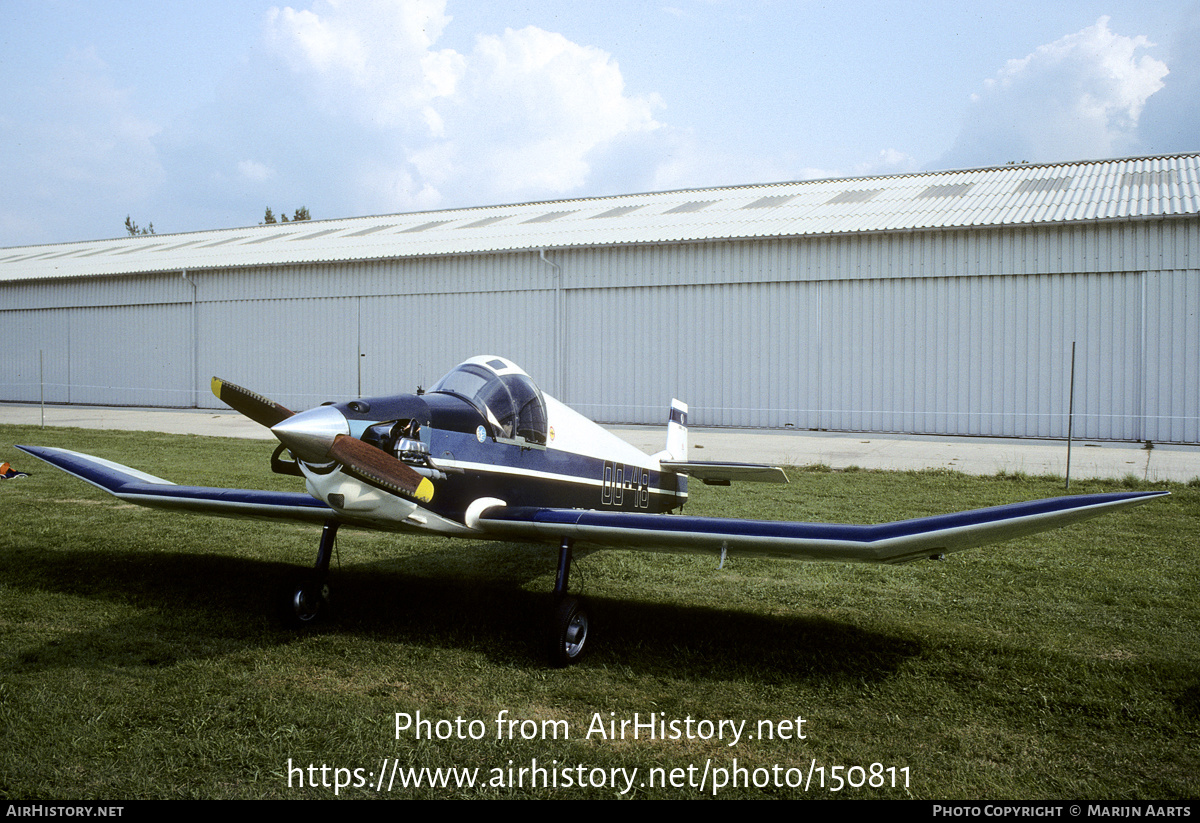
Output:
[[308, 599], [569, 624]]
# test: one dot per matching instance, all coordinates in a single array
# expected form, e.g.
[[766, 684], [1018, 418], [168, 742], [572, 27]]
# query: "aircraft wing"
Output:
[[144, 489], [897, 542]]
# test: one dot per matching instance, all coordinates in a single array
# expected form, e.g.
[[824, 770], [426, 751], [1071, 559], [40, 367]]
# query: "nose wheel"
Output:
[[306, 601]]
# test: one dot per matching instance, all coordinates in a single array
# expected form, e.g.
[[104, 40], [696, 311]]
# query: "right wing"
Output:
[[144, 489]]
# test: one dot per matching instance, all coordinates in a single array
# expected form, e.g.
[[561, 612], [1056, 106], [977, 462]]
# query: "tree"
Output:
[[300, 214], [134, 230]]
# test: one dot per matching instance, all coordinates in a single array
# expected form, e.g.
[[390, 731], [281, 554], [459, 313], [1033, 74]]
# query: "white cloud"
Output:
[[372, 59], [523, 115], [1171, 120], [254, 171], [1076, 98], [531, 109]]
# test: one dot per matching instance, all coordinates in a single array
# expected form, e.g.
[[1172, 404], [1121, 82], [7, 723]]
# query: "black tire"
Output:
[[305, 602], [568, 631]]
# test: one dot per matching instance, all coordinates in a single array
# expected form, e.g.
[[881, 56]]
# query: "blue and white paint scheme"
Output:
[[486, 454]]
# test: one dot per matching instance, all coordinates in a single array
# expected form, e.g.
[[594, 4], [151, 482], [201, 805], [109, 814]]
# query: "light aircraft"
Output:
[[484, 454]]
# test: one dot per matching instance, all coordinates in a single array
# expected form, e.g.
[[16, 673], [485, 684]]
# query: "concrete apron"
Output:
[[838, 450]]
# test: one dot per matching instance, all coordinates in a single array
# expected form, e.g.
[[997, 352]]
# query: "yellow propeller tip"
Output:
[[424, 490]]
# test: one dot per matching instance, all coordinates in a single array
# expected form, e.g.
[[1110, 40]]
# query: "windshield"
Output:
[[505, 395]]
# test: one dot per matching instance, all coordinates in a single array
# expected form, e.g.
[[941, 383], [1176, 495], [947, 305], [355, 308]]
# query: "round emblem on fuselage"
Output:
[[480, 434]]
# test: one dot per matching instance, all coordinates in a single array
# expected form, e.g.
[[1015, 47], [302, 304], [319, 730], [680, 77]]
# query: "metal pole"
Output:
[[361, 353], [42, 384], [1071, 415], [560, 379]]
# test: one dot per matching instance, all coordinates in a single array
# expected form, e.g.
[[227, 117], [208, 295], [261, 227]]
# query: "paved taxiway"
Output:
[[970, 455]]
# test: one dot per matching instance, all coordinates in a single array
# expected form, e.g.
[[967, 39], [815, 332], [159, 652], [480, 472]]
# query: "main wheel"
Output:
[[306, 602], [568, 631]]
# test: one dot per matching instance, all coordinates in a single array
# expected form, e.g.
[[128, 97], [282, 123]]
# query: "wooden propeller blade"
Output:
[[255, 406], [380, 469]]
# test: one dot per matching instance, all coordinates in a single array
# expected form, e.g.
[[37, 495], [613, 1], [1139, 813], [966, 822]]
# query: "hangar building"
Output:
[[941, 303]]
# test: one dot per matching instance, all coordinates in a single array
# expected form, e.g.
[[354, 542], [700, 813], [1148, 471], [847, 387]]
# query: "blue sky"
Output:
[[198, 116]]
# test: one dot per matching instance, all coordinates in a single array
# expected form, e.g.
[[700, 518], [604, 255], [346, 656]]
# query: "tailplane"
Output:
[[712, 473]]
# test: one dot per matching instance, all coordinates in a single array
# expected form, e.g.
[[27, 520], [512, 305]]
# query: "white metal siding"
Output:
[[133, 355], [953, 332]]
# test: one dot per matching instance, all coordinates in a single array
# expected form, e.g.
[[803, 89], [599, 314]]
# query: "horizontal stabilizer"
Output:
[[722, 474]]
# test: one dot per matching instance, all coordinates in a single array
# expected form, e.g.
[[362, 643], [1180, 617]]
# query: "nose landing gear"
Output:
[[305, 602]]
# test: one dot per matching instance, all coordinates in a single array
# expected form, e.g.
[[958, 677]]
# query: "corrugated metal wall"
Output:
[[954, 332], [961, 355]]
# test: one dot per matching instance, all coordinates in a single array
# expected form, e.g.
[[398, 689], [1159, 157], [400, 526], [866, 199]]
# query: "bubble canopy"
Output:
[[504, 394]]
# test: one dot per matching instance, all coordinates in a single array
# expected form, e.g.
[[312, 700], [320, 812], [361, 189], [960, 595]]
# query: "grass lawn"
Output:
[[140, 656]]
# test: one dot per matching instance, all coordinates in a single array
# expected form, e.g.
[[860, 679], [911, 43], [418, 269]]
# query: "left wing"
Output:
[[897, 542], [144, 489]]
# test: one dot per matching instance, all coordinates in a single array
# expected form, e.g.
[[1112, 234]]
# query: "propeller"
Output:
[[380, 469], [322, 434], [258, 408]]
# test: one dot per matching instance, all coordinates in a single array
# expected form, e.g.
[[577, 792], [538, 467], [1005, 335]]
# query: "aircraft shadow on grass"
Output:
[[491, 616]]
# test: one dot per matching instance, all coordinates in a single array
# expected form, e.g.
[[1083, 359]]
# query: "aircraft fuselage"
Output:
[[445, 436]]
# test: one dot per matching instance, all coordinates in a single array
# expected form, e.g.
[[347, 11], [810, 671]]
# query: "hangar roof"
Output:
[[1101, 190]]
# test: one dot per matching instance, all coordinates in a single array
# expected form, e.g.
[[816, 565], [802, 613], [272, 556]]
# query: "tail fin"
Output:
[[675, 458], [677, 439]]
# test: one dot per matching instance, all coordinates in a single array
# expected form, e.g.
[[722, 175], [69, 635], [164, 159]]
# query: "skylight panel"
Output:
[[546, 218], [1045, 184], [487, 221], [768, 202], [1148, 178], [948, 190], [179, 245], [425, 226], [695, 205], [315, 234], [853, 196], [223, 242], [617, 212], [374, 229], [267, 238]]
